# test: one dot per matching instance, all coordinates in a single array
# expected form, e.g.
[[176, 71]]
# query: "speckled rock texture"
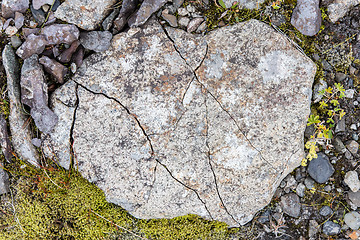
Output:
[[339, 8], [86, 14], [306, 17], [209, 127], [9, 7], [20, 131], [250, 4]]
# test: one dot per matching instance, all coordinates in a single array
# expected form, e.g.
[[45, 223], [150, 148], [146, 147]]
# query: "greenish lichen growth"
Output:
[[53, 203]]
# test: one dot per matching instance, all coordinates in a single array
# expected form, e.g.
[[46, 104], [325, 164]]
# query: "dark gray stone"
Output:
[[354, 198], [15, 41], [108, 22], [66, 55], [57, 70], [34, 44], [306, 17], [326, 211], [148, 7], [127, 8], [320, 168], [4, 139], [340, 126], [339, 145], [330, 228], [20, 131], [78, 57], [290, 204], [97, 41], [4, 181], [39, 15]]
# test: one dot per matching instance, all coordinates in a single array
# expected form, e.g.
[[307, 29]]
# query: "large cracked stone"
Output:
[[167, 125]]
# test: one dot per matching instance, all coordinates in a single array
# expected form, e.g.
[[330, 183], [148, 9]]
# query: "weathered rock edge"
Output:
[[168, 116]]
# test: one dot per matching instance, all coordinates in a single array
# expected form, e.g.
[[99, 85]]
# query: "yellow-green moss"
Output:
[[52, 203]]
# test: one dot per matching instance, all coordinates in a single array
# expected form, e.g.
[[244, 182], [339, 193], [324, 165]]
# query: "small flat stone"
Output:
[[330, 228], [127, 8], [36, 142], [249, 4], [353, 146], [66, 55], [11, 31], [353, 127], [15, 41], [309, 183], [320, 168], [9, 7], [97, 41], [60, 33], [300, 190], [349, 93], [194, 24], [19, 20], [306, 17], [339, 145], [171, 19], [56, 69], [313, 228], [290, 204], [340, 126], [317, 96], [34, 44], [352, 219], [326, 211], [354, 198], [148, 7], [183, 12], [352, 180], [28, 31], [184, 21], [108, 22], [39, 15]]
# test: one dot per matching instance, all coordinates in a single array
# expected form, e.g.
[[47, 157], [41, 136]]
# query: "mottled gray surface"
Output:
[[34, 44], [290, 204], [250, 4], [162, 140], [306, 17], [19, 128], [352, 219], [4, 139], [34, 94], [147, 8], [66, 55], [9, 7], [38, 3], [97, 41], [86, 14], [60, 33], [331, 228], [127, 8], [352, 180], [4, 181], [339, 8], [320, 169]]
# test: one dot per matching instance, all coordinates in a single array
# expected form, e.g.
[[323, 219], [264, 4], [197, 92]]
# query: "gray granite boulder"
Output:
[[86, 14], [20, 131], [339, 8], [165, 132]]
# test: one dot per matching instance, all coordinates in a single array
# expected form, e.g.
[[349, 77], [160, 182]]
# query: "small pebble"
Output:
[[313, 228], [11, 30], [355, 136], [352, 146], [183, 12], [15, 41], [309, 183], [339, 145], [353, 127], [36, 142], [194, 24], [356, 103], [326, 211], [183, 21], [340, 126], [300, 190], [290, 204], [320, 168], [331, 228], [354, 198], [352, 219], [352, 180], [190, 8], [19, 20], [349, 93]]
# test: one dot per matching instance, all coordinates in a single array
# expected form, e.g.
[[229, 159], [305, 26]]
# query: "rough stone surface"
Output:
[[353, 146], [66, 55], [354, 198], [34, 44], [331, 228], [290, 204], [352, 219], [250, 4], [325, 211], [352, 180], [97, 41], [19, 20], [313, 228], [320, 169], [4, 139], [86, 14], [109, 20], [154, 146], [9, 7], [127, 8], [306, 17], [4, 182], [20, 132], [34, 94], [148, 7], [38, 3], [57, 70], [60, 33], [339, 8], [171, 19], [194, 24]]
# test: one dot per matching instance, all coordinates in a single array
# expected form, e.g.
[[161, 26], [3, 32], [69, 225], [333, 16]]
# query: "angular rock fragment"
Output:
[[194, 24], [20, 131], [352, 180], [34, 44], [97, 41], [34, 94], [15, 41], [4, 181], [171, 19], [38, 3], [330, 228], [86, 14], [290, 204], [57, 70], [250, 4], [78, 57], [127, 8], [28, 31], [9, 7], [306, 17], [108, 22], [148, 7], [66, 55], [320, 169], [339, 9], [19, 20], [155, 142], [60, 33], [4, 139], [39, 15]]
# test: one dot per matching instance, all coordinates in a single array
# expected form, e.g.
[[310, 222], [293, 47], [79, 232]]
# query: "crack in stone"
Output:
[[72, 152], [208, 153], [150, 143], [197, 79]]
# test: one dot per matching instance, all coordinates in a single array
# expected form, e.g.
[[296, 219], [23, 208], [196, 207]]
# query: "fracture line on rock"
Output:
[[197, 79], [211, 167], [72, 152], [150, 143]]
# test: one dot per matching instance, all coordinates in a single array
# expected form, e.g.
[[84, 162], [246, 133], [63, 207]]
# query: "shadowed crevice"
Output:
[[72, 152]]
